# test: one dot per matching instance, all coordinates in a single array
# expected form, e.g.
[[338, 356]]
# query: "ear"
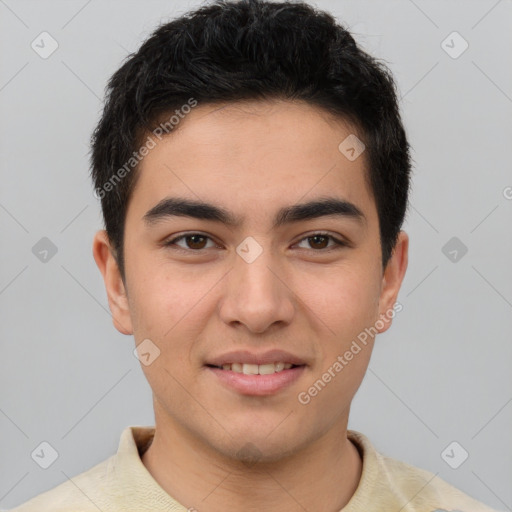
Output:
[[104, 256], [392, 280]]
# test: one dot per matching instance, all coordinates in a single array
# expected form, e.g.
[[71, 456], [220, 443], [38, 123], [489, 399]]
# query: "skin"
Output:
[[252, 158]]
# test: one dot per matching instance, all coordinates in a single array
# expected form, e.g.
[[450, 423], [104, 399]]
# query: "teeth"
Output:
[[250, 369], [237, 367], [266, 369], [255, 369]]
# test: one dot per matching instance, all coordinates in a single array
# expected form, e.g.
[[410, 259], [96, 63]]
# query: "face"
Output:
[[254, 279]]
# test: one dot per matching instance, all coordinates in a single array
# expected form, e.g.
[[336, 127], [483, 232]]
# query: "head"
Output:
[[252, 109]]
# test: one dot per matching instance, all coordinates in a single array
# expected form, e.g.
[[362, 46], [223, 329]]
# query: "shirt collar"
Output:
[[143, 491]]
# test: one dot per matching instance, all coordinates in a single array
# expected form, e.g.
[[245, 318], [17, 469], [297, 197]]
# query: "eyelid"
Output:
[[170, 242], [339, 242]]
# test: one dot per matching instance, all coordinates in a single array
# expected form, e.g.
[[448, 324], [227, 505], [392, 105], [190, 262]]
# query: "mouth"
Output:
[[255, 369], [246, 373]]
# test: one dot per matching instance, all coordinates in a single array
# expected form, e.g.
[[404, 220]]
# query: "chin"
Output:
[[261, 446]]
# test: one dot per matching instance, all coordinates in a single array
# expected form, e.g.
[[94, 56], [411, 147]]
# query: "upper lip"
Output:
[[244, 356]]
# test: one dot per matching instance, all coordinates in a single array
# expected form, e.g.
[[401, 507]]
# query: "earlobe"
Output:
[[104, 255], [392, 280]]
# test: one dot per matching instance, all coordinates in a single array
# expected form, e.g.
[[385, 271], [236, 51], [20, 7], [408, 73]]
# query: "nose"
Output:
[[257, 295]]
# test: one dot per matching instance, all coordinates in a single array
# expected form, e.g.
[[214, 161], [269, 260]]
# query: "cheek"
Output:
[[352, 308], [171, 308], [162, 297], [344, 299], [155, 307]]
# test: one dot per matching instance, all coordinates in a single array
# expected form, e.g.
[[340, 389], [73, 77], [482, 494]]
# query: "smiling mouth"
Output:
[[256, 369]]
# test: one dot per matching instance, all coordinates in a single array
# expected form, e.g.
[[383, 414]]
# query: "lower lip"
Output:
[[258, 385]]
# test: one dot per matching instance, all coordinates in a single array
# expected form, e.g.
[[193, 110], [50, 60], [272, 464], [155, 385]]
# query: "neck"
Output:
[[322, 476]]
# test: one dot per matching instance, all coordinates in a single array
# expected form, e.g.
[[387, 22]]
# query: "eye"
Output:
[[193, 241], [319, 241], [196, 242]]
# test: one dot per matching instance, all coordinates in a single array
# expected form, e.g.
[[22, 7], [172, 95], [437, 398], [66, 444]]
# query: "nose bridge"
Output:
[[257, 279], [256, 296]]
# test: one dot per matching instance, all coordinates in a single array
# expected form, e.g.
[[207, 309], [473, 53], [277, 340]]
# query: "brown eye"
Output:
[[190, 242], [320, 241], [195, 241]]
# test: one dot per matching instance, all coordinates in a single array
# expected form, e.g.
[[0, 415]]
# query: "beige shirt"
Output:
[[122, 483]]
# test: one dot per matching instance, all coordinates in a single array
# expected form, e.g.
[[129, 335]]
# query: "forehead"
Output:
[[254, 153]]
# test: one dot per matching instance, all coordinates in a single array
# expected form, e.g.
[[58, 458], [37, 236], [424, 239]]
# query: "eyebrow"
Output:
[[182, 207]]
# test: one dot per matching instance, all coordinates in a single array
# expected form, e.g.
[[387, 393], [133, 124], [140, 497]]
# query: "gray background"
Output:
[[441, 374]]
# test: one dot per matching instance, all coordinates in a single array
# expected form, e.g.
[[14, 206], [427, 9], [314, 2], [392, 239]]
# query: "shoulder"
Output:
[[432, 493], [392, 481], [82, 493], [120, 482]]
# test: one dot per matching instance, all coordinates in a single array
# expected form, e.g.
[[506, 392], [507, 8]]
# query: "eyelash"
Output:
[[338, 243]]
